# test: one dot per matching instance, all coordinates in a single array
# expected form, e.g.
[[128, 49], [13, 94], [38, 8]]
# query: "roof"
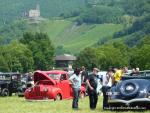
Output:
[[65, 57]]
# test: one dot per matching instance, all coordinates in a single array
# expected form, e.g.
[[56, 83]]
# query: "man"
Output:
[[84, 74], [76, 84], [106, 86], [118, 74], [92, 83]]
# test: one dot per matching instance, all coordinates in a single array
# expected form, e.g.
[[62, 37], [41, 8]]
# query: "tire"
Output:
[[82, 95], [5, 92], [133, 92], [58, 97]]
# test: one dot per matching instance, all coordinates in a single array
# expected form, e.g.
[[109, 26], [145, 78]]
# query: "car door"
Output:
[[65, 86]]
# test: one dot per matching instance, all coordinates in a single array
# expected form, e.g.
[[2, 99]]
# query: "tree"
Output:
[[140, 57], [42, 49], [15, 57]]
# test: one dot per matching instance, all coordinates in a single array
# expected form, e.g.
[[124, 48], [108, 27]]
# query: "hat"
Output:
[[96, 69]]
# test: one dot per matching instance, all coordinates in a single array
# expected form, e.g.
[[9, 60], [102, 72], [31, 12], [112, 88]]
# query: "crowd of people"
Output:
[[92, 80]]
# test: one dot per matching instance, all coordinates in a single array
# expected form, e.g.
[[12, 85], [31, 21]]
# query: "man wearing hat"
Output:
[[92, 83]]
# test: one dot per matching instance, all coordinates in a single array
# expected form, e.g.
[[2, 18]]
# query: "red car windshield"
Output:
[[54, 76]]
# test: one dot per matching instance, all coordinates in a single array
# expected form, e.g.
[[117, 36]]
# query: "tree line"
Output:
[[36, 52], [32, 52], [116, 54]]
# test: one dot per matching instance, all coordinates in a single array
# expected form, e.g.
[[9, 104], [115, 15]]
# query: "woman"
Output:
[[76, 84]]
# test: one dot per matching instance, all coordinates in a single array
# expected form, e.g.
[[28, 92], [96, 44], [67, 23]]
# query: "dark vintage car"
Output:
[[51, 85], [9, 82], [24, 85], [132, 92]]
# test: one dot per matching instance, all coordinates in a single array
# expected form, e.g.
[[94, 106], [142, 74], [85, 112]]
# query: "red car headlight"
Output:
[[45, 89]]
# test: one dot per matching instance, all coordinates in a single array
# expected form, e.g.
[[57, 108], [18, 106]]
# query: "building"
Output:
[[34, 13], [65, 60]]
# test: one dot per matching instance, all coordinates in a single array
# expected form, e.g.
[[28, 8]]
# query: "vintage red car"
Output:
[[51, 85]]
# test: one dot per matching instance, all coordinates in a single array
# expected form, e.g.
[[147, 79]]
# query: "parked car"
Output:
[[24, 85], [9, 82], [51, 85], [132, 92]]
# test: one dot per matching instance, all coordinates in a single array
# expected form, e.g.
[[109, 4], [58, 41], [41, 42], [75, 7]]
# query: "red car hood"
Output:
[[41, 75]]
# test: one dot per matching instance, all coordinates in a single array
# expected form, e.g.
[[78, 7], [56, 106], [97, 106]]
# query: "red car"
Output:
[[51, 85]]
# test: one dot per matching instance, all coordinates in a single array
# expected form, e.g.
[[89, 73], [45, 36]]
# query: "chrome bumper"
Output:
[[127, 102]]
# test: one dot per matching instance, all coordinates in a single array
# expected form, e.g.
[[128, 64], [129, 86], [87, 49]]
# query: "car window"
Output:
[[54, 76], [63, 77], [148, 74], [5, 77]]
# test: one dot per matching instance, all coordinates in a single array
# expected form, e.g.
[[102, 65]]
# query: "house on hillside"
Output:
[[65, 60], [34, 13]]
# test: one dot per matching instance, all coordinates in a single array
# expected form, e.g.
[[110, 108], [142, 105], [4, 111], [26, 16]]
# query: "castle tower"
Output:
[[38, 7]]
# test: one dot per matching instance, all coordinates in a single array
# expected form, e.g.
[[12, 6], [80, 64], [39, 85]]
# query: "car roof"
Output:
[[55, 71], [10, 73]]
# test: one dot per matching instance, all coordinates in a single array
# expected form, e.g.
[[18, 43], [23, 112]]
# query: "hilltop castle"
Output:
[[34, 13]]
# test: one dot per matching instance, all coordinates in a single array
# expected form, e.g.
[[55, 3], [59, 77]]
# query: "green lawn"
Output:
[[20, 105]]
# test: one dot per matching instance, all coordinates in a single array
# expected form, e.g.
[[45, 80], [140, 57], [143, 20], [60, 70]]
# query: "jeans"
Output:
[[105, 96], [93, 98], [75, 98]]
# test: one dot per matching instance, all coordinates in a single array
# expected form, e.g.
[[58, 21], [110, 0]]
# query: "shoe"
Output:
[[76, 108]]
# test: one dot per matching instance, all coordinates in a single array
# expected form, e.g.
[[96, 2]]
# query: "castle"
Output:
[[34, 13]]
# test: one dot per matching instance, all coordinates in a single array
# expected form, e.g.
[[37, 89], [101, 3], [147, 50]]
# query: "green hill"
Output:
[[64, 33], [73, 37], [14, 9]]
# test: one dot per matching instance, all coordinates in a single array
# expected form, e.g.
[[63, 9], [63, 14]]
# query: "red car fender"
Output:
[[55, 91], [83, 90]]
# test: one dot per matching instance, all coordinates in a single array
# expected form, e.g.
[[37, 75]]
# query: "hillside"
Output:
[[65, 33], [75, 24], [13, 9]]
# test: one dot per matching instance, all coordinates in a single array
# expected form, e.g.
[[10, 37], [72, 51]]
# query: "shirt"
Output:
[[75, 80], [118, 75], [93, 80]]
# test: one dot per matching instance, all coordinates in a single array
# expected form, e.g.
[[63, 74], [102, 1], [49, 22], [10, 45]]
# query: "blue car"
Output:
[[132, 92]]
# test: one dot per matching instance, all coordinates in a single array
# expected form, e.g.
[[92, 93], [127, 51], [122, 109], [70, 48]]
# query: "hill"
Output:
[[11, 10], [65, 33]]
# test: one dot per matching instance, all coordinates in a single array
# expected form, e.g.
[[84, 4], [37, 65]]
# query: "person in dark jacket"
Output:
[[92, 83], [84, 74]]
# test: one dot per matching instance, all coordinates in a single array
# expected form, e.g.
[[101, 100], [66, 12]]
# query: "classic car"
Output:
[[51, 85], [132, 92], [9, 82], [24, 85]]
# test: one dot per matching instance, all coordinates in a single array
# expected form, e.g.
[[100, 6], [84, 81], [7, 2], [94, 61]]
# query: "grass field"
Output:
[[20, 105], [75, 38]]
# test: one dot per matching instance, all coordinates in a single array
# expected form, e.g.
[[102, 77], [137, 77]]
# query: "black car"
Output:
[[132, 92], [25, 84], [9, 82]]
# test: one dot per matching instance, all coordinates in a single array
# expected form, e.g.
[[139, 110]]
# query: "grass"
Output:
[[75, 38], [15, 104]]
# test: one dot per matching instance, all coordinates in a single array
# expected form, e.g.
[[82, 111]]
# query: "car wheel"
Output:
[[5, 92], [58, 97], [129, 89], [82, 95]]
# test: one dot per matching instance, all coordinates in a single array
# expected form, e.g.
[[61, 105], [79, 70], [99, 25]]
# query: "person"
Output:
[[137, 70], [92, 83], [76, 84], [29, 77], [118, 75], [106, 86], [84, 74]]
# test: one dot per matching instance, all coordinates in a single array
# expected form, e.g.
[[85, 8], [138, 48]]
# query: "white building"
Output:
[[34, 13]]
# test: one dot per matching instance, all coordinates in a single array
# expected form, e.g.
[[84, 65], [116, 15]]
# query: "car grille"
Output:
[[37, 91]]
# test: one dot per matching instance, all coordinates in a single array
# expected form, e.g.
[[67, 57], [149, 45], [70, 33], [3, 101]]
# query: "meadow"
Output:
[[15, 104], [75, 38]]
